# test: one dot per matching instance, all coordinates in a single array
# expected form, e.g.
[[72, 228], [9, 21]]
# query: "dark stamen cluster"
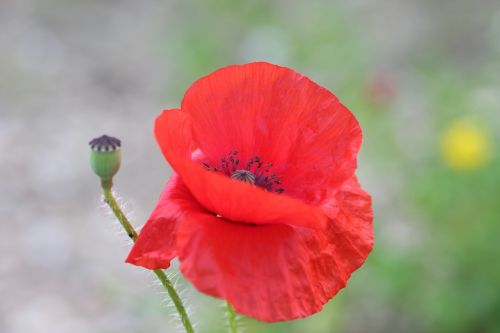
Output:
[[254, 169], [228, 164]]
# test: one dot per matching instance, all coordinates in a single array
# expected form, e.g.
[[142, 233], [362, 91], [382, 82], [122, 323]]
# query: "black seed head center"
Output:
[[244, 176], [105, 143]]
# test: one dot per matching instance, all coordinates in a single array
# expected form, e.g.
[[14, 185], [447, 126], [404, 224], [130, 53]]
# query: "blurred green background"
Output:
[[423, 78]]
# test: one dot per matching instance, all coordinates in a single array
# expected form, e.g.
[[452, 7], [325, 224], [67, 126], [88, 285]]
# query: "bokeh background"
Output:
[[423, 77]]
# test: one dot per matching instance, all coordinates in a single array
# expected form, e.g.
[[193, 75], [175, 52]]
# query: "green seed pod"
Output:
[[105, 157]]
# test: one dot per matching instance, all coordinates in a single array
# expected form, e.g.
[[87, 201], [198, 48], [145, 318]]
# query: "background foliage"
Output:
[[422, 77]]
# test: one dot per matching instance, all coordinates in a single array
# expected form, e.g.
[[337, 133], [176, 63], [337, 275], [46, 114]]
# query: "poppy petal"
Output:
[[221, 195], [155, 246], [276, 272], [281, 116]]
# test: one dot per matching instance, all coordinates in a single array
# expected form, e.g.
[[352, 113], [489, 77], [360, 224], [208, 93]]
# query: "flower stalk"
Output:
[[231, 318], [105, 160], [175, 298], [113, 204], [167, 284]]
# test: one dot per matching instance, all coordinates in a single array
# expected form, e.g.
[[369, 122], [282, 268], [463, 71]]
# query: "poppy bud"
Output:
[[105, 157]]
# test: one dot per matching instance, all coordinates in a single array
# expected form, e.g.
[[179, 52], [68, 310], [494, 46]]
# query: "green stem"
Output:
[[175, 298], [231, 318], [111, 201]]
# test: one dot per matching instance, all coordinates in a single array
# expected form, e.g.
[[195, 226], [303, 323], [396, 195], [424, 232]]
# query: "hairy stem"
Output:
[[231, 318], [174, 296], [113, 204]]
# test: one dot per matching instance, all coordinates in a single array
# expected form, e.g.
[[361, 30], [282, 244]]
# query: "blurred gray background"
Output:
[[72, 70]]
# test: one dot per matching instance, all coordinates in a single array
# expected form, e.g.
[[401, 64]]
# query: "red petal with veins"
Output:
[[274, 257], [268, 272], [155, 246], [232, 199], [281, 116]]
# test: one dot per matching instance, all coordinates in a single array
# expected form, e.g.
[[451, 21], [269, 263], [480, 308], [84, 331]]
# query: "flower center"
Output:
[[244, 175], [254, 172]]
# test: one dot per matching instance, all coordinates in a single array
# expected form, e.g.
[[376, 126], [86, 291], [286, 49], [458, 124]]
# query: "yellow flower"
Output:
[[465, 145]]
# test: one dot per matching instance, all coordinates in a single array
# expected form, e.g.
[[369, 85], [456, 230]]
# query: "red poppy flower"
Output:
[[263, 209]]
